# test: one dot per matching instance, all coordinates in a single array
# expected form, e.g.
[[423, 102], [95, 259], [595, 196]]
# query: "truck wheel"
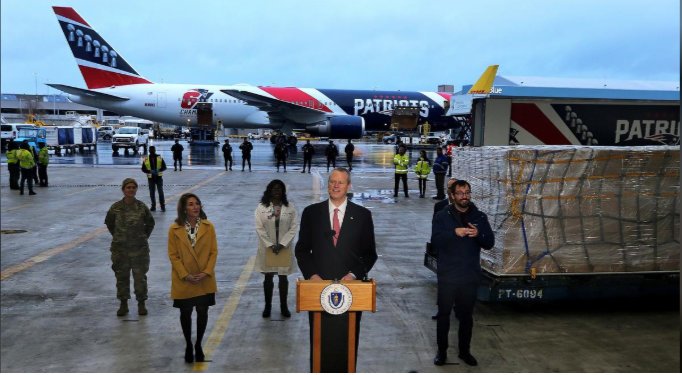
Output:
[[106, 137], [114, 149], [293, 140], [389, 141]]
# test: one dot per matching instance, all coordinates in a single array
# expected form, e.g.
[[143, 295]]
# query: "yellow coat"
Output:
[[191, 261]]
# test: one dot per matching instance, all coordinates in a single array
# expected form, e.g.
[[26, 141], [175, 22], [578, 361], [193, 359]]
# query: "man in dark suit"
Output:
[[436, 209], [458, 234], [336, 242]]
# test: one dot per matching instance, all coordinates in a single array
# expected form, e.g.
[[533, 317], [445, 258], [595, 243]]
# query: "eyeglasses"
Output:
[[463, 194]]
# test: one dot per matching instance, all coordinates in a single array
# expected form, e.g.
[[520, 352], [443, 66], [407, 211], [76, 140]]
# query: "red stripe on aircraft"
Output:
[[531, 118], [446, 96], [292, 94], [98, 78], [71, 14]]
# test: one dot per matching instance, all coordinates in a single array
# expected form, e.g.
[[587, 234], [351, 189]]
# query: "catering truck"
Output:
[[499, 121]]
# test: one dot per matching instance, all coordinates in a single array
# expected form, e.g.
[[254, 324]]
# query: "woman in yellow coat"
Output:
[[192, 249]]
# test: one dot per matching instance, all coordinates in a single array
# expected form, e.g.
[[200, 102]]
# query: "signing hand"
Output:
[[461, 232], [472, 231]]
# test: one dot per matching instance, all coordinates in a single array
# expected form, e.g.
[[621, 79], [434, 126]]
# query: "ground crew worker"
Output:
[[43, 161], [281, 153], [308, 152], [440, 167], [450, 147], [422, 169], [27, 164], [401, 162], [227, 153], [350, 148], [154, 165], [34, 172], [177, 150], [13, 165], [332, 152], [246, 148], [130, 224]]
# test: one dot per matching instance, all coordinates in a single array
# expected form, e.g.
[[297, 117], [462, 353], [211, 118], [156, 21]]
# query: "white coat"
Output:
[[265, 228]]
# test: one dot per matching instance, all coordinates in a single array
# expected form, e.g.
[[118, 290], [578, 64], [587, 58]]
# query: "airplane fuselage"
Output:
[[177, 104]]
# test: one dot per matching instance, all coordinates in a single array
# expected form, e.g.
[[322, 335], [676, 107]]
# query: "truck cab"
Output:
[[33, 134], [130, 137]]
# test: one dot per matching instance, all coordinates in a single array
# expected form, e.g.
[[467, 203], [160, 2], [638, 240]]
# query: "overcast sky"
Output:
[[407, 45]]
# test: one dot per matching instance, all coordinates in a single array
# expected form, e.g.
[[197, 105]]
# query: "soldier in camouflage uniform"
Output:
[[130, 222]]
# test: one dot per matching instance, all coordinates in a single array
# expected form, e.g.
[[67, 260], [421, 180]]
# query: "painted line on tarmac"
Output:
[[223, 322], [23, 266], [17, 207], [82, 191]]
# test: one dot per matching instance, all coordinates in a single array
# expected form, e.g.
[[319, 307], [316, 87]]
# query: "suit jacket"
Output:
[[439, 207], [191, 261], [315, 251]]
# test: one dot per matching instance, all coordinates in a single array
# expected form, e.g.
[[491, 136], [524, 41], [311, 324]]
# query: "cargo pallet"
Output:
[[505, 288]]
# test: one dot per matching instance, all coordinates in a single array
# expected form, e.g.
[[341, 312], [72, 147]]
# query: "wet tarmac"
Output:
[[59, 302], [368, 156]]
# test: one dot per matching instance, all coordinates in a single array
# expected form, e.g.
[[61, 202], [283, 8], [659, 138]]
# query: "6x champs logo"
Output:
[[336, 299]]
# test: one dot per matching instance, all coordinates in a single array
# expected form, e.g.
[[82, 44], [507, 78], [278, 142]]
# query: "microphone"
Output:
[[332, 233]]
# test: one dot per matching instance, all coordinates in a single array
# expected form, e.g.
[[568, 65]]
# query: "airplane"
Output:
[[114, 85]]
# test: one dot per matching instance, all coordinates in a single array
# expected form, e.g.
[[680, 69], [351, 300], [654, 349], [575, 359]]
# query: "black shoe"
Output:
[[189, 354], [175, 170], [302, 171], [242, 169], [266, 312], [285, 311], [21, 193], [153, 208], [407, 196], [468, 359], [285, 171], [32, 193], [163, 208], [199, 353], [278, 171], [434, 316], [440, 359], [395, 195], [230, 168]]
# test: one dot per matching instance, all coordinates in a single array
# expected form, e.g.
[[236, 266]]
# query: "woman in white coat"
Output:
[[276, 225]]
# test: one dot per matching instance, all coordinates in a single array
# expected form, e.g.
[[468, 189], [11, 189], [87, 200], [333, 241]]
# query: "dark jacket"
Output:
[[332, 151], [441, 164], [246, 148], [308, 150], [227, 149], [438, 207], [315, 251], [349, 148], [281, 151], [177, 149], [459, 258]]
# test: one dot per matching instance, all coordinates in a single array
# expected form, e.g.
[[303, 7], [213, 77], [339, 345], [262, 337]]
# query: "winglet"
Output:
[[485, 83]]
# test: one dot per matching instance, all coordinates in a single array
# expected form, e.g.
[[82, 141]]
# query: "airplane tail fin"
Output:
[[485, 83], [100, 65]]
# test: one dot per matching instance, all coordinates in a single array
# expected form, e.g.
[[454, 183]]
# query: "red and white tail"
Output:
[[100, 65]]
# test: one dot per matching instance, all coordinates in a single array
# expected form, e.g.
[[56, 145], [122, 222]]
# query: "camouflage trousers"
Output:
[[122, 263]]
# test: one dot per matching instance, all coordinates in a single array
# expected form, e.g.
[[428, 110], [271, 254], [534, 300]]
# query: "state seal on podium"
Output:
[[336, 299]]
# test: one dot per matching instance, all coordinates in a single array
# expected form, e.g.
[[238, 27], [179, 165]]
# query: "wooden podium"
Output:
[[308, 299]]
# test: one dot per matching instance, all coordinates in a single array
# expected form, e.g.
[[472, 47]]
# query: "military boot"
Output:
[[141, 308], [123, 310]]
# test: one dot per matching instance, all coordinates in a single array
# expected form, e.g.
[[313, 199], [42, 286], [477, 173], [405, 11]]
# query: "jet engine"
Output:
[[341, 127]]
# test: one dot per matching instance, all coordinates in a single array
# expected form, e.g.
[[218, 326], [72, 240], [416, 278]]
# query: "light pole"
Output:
[[35, 76]]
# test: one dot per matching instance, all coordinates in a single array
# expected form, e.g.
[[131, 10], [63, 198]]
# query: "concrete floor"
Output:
[[58, 314]]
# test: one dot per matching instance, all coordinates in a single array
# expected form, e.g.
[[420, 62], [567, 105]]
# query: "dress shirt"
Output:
[[341, 214]]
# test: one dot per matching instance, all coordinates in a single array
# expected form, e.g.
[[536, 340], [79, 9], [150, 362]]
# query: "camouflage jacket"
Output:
[[129, 224]]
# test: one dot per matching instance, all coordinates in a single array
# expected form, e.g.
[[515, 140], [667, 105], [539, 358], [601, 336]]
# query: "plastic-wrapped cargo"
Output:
[[569, 209]]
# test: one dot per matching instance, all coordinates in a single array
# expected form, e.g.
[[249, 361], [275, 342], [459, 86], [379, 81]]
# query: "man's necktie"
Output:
[[337, 226]]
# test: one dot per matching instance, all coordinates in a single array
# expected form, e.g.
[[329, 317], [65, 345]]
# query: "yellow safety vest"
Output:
[[401, 163], [159, 162], [44, 157], [12, 156], [26, 160]]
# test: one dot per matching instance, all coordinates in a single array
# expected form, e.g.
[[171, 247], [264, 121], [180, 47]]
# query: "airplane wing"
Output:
[[88, 93], [280, 110]]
